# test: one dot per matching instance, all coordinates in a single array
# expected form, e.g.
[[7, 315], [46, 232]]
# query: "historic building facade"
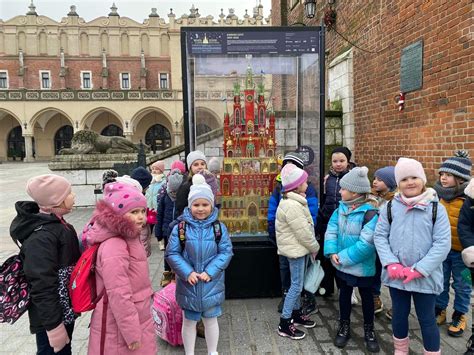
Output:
[[112, 75]]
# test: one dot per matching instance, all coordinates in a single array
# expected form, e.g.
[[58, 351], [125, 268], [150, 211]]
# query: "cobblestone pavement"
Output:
[[246, 327]]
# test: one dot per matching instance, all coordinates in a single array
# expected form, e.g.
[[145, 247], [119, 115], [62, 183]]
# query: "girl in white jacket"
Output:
[[295, 239]]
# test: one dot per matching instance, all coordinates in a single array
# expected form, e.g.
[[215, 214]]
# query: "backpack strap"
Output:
[[216, 226], [369, 214], [434, 212], [182, 234], [389, 212]]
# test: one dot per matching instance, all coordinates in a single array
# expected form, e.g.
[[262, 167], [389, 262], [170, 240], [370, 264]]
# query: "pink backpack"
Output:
[[167, 315]]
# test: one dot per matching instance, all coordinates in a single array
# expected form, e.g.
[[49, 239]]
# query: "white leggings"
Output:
[[211, 330]]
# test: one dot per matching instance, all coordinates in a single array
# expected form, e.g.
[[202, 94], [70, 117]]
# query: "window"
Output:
[[45, 78], [3, 80], [164, 81], [125, 81], [86, 80]]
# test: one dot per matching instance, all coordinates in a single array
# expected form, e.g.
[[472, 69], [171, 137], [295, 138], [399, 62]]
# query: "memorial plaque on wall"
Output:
[[411, 67]]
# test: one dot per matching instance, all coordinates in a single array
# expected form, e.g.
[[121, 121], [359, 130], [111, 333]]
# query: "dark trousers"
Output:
[[378, 277], [166, 265], [43, 347], [285, 276], [424, 307], [329, 270], [345, 305]]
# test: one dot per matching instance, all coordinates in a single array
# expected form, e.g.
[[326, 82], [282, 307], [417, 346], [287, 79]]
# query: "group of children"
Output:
[[410, 239]]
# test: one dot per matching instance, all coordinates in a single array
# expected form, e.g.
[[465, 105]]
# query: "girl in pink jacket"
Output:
[[122, 271]]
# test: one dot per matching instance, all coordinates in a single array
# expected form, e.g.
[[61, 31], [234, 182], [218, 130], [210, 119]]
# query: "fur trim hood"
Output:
[[107, 224], [469, 190]]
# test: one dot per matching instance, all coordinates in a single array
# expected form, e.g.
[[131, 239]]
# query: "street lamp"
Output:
[[310, 8]]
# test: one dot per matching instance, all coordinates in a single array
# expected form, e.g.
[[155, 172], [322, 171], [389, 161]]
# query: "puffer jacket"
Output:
[[453, 208], [49, 244], [122, 269], [413, 241], [295, 227], [352, 240], [201, 254], [153, 191], [166, 215], [466, 218]]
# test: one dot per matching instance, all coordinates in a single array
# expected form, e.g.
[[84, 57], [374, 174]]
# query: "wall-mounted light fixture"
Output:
[[310, 8]]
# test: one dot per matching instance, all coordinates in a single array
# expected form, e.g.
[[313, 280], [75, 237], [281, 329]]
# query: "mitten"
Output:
[[151, 216], [58, 337], [395, 271], [410, 274]]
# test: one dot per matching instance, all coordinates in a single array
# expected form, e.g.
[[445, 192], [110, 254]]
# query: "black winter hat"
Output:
[[343, 150]]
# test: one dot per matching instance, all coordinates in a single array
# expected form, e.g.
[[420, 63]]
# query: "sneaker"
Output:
[[300, 319], [388, 314], [354, 299], [371, 342], [282, 301], [343, 334], [440, 316], [378, 305], [161, 244], [309, 305], [458, 324], [166, 279], [470, 346], [286, 328]]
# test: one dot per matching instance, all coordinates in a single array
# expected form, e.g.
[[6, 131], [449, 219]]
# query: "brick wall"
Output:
[[439, 117]]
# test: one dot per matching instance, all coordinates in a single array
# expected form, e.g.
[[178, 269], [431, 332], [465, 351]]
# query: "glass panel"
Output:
[[45, 80], [125, 81], [86, 80], [3, 80]]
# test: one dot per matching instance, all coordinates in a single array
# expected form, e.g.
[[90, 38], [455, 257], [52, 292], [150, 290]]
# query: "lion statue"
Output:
[[89, 142]]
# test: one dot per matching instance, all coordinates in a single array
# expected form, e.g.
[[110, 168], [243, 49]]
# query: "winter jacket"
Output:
[[122, 269], [453, 208], [153, 191], [201, 254], [466, 218], [352, 240], [331, 193], [166, 215], [413, 241], [182, 195], [295, 227], [49, 244], [311, 197]]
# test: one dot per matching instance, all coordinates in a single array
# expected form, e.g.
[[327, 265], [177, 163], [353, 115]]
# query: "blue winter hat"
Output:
[[460, 165], [387, 175], [142, 175]]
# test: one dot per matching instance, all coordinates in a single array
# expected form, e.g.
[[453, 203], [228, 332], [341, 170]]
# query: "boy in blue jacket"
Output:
[[309, 301]]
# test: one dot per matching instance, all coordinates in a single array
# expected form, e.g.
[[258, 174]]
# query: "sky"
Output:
[[137, 10]]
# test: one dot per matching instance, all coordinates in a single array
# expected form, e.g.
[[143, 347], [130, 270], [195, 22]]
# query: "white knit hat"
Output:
[[407, 167], [292, 177], [193, 156], [130, 181], [199, 189]]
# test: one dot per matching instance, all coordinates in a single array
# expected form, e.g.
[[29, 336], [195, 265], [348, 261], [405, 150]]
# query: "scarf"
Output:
[[355, 203], [450, 193], [158, 177], [422, 199]]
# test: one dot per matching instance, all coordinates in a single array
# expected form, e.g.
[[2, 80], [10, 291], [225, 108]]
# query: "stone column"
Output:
[[28, 148], [128, 135]]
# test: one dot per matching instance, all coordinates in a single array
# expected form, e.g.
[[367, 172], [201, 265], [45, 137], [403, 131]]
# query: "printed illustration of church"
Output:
[[250, 164]]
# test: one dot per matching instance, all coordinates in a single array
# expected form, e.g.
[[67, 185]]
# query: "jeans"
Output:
[[284, 272], [43, 347], [345, 305], [378, 277], [453, 265], [293, 297], [424, 307]]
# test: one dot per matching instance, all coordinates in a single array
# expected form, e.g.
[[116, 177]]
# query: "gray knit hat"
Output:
[[175, 179], [460, 165], [193, 156], [356, 180]]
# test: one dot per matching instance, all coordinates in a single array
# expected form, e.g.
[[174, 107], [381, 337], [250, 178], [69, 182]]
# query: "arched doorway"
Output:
[[62, 138], [158, 138], [112, 130], [16, 144]]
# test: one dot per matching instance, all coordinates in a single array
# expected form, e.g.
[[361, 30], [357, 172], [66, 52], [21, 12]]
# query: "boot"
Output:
[[309, 305], [402, 346], [300, 319], [371, 343], [282, 301], [426, 352], [286, 328], [470, 346], [343, 333]]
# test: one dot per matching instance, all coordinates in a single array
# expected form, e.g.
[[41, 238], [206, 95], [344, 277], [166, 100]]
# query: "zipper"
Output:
[[200, 290]]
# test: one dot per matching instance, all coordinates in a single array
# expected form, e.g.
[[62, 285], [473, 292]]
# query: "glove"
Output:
[[151, 216], [410, 274], [58, 337], [395, 271]]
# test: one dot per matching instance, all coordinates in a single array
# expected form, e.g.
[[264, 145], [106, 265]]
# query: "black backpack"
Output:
[[216, 226], [433, 217]]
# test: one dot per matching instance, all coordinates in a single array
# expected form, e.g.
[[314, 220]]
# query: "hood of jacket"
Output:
[[28, 219], [188, 217], [469, 190], [107, 224]]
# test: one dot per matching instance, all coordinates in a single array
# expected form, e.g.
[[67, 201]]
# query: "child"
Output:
[[340, 166], [383, 188], [200, 289], [412, 242], [454, 176], [295, 240], [122, 274], [157, 182], [49, 249], [166, 215], [349, 243], [144, 178], [196, 161], [309, 303]]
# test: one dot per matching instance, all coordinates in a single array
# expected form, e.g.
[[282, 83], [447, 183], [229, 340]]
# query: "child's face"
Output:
[[447, 179], [411, 186], [197, 166], [137, 216], [379, 185], [155, 170], [201, 208], [68, 203], [347, 195], [339, 162], [301, 189]]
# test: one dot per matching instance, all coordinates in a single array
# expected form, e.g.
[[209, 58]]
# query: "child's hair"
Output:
[[48, 190], [292, 177], [123, 198], [356, 180], [459, 166]]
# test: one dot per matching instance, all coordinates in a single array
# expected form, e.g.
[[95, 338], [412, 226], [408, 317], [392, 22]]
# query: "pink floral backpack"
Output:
[[167, 315]]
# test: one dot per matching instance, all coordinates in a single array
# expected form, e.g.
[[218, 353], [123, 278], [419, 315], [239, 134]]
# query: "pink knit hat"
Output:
[[407, 167], [48, 190], [178, 164], [123, 198], [160, 165], [292, 177]]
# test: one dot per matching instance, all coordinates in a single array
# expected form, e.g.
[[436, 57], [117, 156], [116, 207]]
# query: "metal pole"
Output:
[[322, 108]]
